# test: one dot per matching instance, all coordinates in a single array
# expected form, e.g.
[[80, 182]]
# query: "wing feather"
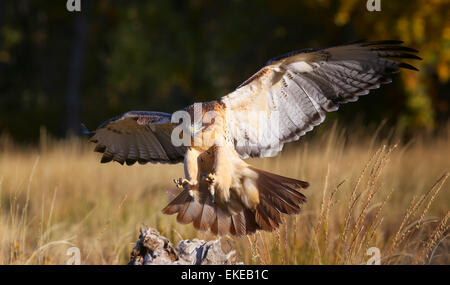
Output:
[[291, 94], [137, 136]]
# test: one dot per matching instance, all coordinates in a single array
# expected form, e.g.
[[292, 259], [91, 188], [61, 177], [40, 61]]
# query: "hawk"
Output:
[[285, 99]]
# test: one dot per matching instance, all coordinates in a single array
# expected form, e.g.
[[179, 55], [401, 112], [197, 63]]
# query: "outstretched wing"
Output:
[[291, 94], [137, 136]]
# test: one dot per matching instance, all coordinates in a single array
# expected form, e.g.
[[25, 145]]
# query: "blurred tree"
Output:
[[74, 74]]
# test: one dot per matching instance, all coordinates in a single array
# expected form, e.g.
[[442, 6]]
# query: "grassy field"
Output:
[[367, 190]]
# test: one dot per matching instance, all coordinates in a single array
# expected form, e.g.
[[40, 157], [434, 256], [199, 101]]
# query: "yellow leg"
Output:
[[220, 180], [189, 183]]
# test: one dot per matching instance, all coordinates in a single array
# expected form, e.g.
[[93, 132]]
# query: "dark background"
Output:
[[61, 68]]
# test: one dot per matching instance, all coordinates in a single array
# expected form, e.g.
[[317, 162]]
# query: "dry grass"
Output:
[[365, 192]]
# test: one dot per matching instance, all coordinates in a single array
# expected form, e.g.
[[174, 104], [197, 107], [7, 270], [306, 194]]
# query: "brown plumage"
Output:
[[278, 195], [285, 99]]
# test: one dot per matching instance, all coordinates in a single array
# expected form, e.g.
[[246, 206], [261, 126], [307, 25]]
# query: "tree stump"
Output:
[[154, 249]]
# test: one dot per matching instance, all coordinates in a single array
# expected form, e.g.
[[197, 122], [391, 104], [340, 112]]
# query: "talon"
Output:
[[178, 183], [210, 178]]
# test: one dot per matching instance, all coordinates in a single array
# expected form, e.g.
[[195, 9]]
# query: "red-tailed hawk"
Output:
[[280, 103]]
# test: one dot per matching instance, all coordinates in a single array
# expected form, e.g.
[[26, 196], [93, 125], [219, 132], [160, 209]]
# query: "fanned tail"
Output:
[[277, 195]]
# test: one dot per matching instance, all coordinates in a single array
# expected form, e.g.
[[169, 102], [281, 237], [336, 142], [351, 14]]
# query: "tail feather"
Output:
[[269, 213], [191, 210], [250, 221], [221, 226], [277, 195], [264, 221], [207, 216], [176, 204], [290, 181], [238, 227], [281, 203], [282, 192]]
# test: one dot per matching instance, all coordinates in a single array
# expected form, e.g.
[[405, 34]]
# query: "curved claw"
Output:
[[178, 182], [210, 178], [186, 185]]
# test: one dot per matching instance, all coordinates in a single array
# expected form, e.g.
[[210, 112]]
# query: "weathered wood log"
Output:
[[153, 249]]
